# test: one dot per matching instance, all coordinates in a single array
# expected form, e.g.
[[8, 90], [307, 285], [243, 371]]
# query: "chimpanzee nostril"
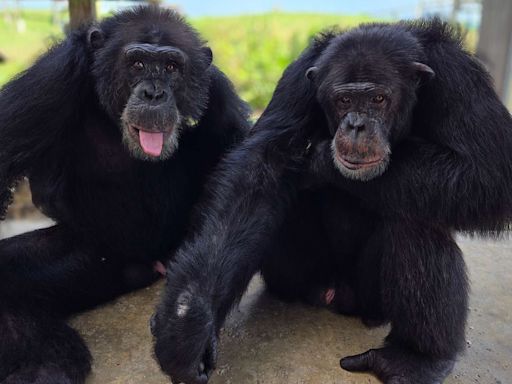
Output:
[[145, 92], [149, 92], [159, 94], [359, 127], [148, 95], [356, 127], [356, 121]]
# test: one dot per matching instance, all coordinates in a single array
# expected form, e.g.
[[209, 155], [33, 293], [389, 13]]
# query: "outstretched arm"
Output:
[[252, 192], [247, 201], [36, 106]]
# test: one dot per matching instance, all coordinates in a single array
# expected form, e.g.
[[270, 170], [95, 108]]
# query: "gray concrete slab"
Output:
[[266, 341], [15, 227]]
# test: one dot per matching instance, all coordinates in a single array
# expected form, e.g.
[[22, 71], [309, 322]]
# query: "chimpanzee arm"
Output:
[[37, 106], [246, 204], [253, 189], [456, 167]]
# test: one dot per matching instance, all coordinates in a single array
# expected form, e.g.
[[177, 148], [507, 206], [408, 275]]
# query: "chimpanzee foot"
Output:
[[395, 365]]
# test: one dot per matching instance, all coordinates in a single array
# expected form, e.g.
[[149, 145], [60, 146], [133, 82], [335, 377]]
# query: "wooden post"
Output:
[[495, 43], [81, 11], [455, 9]]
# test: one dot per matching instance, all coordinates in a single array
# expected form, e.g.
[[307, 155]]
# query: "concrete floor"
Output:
[[266, 341]]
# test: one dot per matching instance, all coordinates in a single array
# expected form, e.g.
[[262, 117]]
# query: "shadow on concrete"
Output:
[[269, 342]]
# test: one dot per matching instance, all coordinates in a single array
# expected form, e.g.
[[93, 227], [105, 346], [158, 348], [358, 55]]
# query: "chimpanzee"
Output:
[[117, 129], [379, 143]]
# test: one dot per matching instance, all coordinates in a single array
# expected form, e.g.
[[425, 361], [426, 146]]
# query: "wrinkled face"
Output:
[[366, 109], [151, 120], [360, 114], [151, 77]]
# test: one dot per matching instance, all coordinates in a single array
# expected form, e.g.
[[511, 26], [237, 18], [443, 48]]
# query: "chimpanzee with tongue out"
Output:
[[117, 129]]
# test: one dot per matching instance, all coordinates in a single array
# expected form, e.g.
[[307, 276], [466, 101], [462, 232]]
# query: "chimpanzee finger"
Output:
[[359, 363]]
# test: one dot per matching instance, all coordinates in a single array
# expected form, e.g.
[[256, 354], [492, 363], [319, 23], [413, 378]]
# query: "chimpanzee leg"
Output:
[[424, 294], [314, 254], [297, 265], [44, 276], [367, 271]]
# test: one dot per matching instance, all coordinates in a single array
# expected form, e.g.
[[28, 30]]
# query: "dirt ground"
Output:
[[266, 341]]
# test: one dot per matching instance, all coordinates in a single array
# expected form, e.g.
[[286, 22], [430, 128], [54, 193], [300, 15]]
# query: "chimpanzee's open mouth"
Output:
[[151, 142], [356, 164]]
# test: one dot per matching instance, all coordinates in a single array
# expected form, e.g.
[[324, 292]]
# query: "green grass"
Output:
[[253, 50], [21, 48]]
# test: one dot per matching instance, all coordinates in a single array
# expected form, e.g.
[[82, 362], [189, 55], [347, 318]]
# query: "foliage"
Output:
[[253, 50], [22, 43]]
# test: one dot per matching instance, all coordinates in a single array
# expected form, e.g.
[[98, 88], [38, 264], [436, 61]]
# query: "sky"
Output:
[[396, 9], [225, 7]]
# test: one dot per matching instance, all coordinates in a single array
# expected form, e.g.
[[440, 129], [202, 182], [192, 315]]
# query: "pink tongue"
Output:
[[151, 142]]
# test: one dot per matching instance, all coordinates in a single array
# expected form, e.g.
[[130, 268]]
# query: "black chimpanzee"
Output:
[[379, 143], [117, 128]]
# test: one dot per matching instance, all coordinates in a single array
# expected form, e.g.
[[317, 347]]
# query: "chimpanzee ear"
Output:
[[423, 71], [207, 52], [95, 38], [311, 73]]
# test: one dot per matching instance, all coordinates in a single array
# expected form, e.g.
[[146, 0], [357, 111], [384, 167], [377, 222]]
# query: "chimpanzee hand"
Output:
[[395, 365], [185, 336]]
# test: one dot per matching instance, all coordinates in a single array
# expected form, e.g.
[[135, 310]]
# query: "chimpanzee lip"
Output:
[[137, 128], [353, 165]]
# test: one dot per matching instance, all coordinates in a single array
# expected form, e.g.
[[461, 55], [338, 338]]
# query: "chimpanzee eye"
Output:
[[138, 65], [378, 99], [171, 67], [345, 100]]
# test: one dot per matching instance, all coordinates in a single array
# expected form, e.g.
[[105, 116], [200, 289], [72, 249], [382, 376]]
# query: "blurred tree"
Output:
[[495, 42], [455, 9], [81, 11]]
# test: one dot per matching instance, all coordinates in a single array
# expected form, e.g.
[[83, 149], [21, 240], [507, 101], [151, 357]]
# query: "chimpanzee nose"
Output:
[[356, 121], [152, 93]]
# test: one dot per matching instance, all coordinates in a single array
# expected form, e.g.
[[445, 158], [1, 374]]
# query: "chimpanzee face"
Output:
[[153, 80], [368, 101], [151, 120], [359, 119]]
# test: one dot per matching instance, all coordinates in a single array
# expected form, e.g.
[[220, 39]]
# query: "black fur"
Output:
[[116, 215], [385, 247]]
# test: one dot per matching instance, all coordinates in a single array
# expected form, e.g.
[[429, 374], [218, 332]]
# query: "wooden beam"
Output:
[[495, 43], [80, 12]]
